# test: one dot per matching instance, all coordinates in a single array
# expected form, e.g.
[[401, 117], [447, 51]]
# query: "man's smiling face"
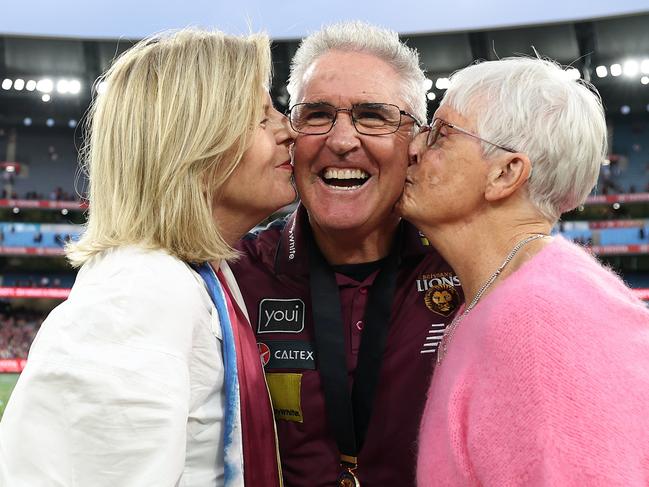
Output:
[[347, 180]]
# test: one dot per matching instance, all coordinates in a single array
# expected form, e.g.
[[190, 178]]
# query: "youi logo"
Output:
[[280, 316]]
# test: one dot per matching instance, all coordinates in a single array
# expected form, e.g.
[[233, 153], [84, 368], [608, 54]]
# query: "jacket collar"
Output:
[[292, 256]]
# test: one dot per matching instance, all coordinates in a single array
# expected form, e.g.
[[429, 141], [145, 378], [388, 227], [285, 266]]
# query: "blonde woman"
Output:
[[149, 375]]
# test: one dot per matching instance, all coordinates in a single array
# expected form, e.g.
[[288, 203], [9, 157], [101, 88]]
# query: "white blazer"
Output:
[[124, 382]]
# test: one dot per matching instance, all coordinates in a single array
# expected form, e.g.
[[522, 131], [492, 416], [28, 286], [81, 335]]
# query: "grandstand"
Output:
[[47, 84]]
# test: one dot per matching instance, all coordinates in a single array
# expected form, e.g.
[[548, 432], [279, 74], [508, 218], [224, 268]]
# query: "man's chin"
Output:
[[337, 223]]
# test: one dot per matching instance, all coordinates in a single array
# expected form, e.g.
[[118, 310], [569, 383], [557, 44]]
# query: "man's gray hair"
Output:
[[363, 37], [531, 105]]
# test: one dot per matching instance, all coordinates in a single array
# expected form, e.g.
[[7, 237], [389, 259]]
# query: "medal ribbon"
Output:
[[349, 414]]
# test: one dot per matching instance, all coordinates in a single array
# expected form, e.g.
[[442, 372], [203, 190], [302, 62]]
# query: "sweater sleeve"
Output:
[[543, 413]]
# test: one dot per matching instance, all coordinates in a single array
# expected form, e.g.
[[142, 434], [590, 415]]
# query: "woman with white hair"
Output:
[[149, 374], [543, 376]]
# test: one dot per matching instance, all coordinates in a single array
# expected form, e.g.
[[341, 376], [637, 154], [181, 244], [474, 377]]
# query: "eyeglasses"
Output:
[[367, 118], [435, 128]]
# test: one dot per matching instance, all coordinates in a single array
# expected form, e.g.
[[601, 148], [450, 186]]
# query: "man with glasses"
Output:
[[348, 302]]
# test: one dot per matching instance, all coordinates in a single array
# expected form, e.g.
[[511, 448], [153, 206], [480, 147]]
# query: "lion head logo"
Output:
[[442, 299]]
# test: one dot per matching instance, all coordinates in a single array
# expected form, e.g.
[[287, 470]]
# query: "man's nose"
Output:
[[343, 136]]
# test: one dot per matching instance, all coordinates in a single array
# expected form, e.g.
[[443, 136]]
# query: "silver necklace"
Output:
[[450, 330]]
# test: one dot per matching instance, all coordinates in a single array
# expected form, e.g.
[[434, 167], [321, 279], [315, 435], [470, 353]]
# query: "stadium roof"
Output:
[[71, 64]]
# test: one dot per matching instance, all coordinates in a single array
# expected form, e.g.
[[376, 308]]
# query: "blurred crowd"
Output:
[[57, 194], [18, 327]]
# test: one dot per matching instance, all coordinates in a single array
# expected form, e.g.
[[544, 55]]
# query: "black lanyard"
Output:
[[349, 415]]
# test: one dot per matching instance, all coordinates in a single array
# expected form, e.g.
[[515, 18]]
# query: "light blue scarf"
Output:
[[233, 445]]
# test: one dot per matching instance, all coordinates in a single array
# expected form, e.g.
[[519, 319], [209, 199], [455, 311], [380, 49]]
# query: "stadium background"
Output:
[[48, 82]]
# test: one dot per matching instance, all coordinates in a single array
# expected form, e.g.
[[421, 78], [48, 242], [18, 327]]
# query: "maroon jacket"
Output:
[[274, 280]]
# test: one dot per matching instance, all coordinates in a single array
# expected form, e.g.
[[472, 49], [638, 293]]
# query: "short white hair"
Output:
[[533, 107], [366, 38]]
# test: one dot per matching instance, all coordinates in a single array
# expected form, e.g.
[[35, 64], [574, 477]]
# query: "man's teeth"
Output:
[[345, 174]]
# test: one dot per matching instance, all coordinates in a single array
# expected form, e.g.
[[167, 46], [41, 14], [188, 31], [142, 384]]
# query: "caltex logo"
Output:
[[264, 353]]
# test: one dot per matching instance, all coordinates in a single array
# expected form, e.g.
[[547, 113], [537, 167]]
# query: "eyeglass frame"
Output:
[[351, 115], [444, 123]]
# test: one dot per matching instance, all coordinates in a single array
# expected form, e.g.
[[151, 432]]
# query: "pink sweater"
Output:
[[545, 383]]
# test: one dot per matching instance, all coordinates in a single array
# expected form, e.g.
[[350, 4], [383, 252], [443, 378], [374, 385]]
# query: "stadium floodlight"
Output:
[[616, 69], [431, 95], [62, 86], [601, 71], [644, 80], [27, 122], [625, 109], [45, 85], [644, 66], [49, 122], [631, 68], [46, 97], [31, 85], [428, 84], [572, 73], [442, 83], [74, 87], [19, 84], [72, 123], [6, 84]]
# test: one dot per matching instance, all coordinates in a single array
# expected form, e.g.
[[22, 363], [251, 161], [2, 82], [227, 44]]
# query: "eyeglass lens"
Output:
[[368, 118]]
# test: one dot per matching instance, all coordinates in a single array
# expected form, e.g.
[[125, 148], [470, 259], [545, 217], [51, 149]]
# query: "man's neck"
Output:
[[355, 246]]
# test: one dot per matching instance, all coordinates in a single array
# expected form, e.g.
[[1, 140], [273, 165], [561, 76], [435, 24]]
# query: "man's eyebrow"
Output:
[[317, 102], [372, 104]]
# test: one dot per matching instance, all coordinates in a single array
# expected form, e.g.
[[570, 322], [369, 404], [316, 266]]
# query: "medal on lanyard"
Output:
[[347, 478], [349, 414]]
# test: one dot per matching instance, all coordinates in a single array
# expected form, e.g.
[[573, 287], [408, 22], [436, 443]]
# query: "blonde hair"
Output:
[[172, 126]]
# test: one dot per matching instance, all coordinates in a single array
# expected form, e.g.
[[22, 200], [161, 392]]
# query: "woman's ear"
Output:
[[507, 175]]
